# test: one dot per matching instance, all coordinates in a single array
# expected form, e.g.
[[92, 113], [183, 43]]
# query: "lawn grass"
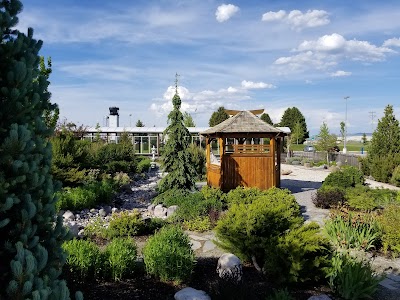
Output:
[[351, 146]]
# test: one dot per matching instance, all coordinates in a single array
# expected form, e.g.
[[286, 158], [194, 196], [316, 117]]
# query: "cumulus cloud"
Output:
[[225, 12], [329, 50], [256, 85], [394, 42], [273, 16], [340, 74], [297, 19]]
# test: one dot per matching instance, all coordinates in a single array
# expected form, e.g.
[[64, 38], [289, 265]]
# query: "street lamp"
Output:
[[130, 120], [345, 128]]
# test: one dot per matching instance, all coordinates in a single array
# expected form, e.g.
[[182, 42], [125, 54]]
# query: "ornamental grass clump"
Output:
[[121, 255], [168, 255]]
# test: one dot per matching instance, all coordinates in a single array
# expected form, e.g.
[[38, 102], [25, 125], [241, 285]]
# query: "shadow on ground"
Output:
[[298, 186]]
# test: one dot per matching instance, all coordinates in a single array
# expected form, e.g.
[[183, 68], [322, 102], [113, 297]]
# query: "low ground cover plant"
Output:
[[168, 255]]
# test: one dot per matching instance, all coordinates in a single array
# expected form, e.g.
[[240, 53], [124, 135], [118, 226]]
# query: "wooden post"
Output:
[[272, 146], [278, 162]]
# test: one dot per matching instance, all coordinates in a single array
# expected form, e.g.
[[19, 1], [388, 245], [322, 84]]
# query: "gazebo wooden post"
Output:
[[278, 163], [272, 146], [221, 143], [207, 151]]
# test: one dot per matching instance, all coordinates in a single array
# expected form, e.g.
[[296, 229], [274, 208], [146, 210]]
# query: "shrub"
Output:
[[121, 178], [198, 224], [390, 222], [352, 279], [395, 179], [246, 228], [126, 223], [119, 166], [171, 197], [211, 193], [351, 233], [84, 258], [329, 197], [382, 167], [361, 198], [87, 196], [243, 195], [344, 178], [300, 254], [121, 256], [143, 165], [294, 160], [198, 160], [282, 294], [168, 255]]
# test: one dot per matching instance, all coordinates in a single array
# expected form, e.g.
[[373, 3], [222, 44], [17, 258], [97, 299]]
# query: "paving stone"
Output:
[[208, 246], [394, 277], [195, 245], [197, 238], [389, 284]]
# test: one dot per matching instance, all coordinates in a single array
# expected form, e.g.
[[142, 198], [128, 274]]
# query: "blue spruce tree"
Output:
[[31, 257]]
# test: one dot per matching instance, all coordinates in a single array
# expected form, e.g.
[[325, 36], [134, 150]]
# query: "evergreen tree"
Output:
[[290, 117], [31, 257], [298, 133], [326, 140], [266, 118], [384, 148], [188, 120], [176, 157], [139, 123], [386, 137], [52, 113], [218, 116], [364, 139]]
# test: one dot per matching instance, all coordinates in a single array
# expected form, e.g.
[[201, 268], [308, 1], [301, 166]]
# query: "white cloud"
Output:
[[297, 19], [273, 16], [256, 85], [394, 42], [329, 50], [340, 74], [225, 12], [100, 71]]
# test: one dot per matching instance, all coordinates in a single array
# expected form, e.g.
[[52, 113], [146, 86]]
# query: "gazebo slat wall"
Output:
[[245, 152]]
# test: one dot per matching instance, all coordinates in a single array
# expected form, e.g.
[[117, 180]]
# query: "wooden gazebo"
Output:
[[243, 151]]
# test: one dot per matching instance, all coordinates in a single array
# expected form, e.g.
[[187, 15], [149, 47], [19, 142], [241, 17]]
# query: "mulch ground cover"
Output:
[[254, 286]]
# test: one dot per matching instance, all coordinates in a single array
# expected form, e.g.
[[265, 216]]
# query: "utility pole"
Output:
[[372, 115], [345, 128]]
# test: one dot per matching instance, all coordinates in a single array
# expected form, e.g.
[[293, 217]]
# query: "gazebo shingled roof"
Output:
[[243, 122]]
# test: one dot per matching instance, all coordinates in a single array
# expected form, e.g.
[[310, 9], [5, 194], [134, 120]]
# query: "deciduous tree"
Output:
[[188, 120], [218, 116], [266, 118], [289, 119], [298, 133], [326, 140]]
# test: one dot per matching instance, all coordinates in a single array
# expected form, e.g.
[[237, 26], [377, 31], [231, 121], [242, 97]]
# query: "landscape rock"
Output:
[[114, 210], [150, 208], [189, 293], [195, 245], [320, 297], [73, 227], [160, 211], [171, 210], [230, 267], [102, 212], [68, 216], [208, 246], [81, 233]]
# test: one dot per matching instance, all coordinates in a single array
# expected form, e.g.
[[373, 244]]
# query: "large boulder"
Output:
[[230, 267], [68, 216], [191, 294], [320, 297]]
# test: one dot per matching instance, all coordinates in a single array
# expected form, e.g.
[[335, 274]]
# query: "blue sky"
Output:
[[238, 54]]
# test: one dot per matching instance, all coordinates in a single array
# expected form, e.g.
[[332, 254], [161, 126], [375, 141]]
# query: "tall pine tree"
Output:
[[31, 257], [218, 117], [266, 118], [176, 157]]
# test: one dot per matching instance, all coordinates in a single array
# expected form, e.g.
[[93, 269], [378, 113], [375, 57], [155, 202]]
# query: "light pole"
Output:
[[345, 128], [130, 120]]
